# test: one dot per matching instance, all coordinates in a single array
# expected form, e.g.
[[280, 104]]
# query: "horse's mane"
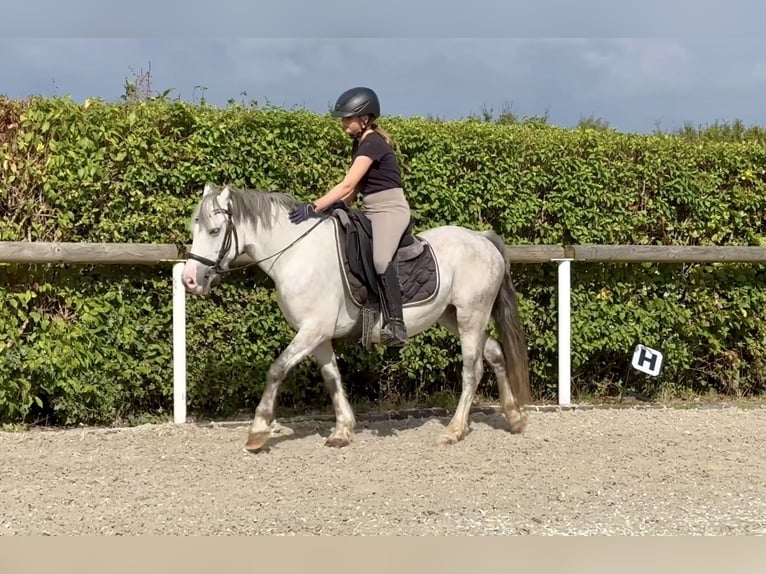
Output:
[[254, 205]]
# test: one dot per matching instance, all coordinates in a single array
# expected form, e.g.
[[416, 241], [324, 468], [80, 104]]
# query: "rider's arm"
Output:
[[347, 187]]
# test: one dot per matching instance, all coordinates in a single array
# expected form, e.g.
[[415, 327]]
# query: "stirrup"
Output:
[[394, 334]]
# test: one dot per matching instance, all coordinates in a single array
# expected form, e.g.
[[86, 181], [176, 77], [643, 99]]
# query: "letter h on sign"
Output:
[[647, 360]]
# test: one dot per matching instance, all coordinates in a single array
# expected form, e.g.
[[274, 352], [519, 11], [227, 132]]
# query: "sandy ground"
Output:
[[614, 471]]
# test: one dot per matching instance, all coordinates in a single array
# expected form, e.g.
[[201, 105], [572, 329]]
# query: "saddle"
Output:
[[416, 266]]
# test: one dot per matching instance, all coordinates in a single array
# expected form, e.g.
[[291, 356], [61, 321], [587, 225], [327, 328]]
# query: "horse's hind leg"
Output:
[[304, 342], [342, 434], [493, 353], [449, 321], [471, 326]]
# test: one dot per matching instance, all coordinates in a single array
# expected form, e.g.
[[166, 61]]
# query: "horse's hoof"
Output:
[[256, 441], [337, 442], [339, 439], [447, 439], [517, 422]]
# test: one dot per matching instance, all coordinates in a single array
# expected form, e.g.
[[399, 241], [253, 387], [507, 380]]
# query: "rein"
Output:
[[226, 245]]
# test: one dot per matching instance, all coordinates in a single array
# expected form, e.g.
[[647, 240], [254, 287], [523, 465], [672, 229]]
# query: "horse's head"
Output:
[[215, 243]]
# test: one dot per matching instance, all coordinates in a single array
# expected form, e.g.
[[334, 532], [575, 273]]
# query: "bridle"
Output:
[[231, 231]]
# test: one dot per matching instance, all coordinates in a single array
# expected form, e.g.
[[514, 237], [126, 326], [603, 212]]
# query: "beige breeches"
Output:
[[389, 213]]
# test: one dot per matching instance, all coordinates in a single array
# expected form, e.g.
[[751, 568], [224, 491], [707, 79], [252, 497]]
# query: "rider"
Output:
[[374, 174]]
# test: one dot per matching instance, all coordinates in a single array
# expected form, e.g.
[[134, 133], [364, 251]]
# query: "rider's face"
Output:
[[354, 125]]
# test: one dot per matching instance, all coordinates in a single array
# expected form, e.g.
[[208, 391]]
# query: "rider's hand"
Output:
[[302, 212]]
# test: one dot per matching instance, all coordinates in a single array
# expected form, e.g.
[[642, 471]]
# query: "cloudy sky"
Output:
[[636, 65]]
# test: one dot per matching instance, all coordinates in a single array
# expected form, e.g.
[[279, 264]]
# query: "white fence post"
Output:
[[179, 345], [564, 331]]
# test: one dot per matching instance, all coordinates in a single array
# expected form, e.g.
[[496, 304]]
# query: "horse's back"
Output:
[[466, 256], [462, 242]]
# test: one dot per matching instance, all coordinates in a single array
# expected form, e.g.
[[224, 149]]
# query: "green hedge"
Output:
[[93, 344]]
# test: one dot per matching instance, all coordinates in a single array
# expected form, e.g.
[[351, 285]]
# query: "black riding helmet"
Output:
[[357, 102]]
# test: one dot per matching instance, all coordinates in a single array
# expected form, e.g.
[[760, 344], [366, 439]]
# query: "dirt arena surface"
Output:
[[600, 471]]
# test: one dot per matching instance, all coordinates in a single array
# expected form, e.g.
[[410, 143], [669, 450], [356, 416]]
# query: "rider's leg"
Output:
[[389, 214], [393, 332]]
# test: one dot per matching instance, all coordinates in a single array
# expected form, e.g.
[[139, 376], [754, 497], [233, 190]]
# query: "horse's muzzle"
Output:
[[198, 279]]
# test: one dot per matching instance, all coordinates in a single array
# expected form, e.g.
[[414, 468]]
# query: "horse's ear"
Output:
[[223, 197], [208, 190]]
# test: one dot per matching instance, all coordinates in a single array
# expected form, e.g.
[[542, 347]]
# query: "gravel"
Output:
[[599, 471]]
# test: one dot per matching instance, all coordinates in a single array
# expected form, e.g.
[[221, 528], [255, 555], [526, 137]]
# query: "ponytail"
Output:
[[382, 133]]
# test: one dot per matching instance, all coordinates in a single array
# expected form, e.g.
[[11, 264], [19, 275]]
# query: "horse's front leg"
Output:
[[304, 342], [342, 434]]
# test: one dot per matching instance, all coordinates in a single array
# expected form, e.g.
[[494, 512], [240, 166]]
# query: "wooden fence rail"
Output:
[[33, 252]]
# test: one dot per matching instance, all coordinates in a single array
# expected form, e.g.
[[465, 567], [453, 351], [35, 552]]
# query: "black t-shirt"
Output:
[[384, 171]]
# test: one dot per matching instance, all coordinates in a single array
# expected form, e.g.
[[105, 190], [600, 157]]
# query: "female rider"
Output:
[[375, 175]]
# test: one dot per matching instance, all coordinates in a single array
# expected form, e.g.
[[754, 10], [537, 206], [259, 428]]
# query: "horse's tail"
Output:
[[513, 341]]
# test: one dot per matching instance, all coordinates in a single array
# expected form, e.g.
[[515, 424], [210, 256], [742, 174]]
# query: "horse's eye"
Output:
[[215, 231]]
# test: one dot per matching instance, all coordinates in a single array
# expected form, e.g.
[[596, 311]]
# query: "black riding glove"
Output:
[[302, 212]]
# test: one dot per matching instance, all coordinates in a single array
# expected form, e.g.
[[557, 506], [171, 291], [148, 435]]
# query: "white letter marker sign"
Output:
[[647, 360]]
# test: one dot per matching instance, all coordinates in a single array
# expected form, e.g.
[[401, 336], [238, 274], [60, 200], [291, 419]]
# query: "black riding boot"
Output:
[[393, 333]]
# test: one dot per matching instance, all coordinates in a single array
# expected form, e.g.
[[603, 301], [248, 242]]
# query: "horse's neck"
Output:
[[275, 248]]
